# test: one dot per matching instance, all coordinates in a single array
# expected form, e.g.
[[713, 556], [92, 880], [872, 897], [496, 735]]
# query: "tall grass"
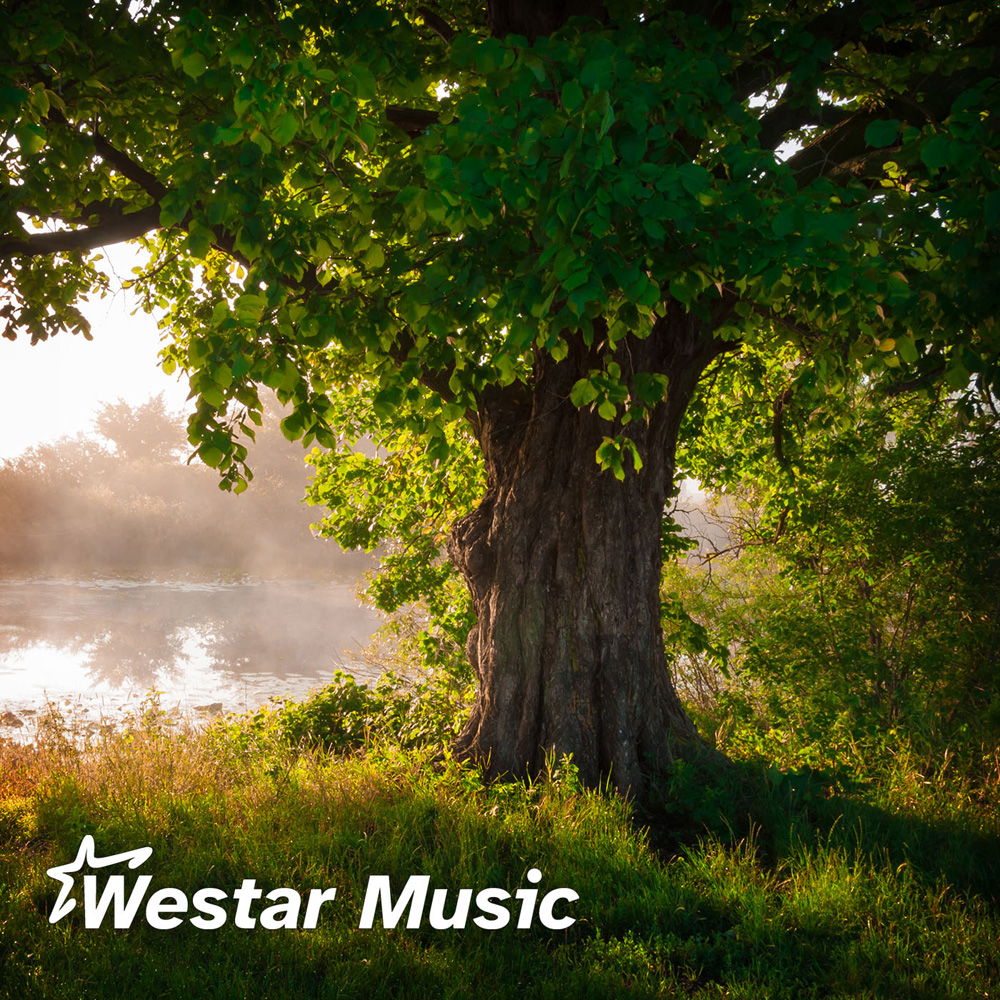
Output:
[[878, 886]]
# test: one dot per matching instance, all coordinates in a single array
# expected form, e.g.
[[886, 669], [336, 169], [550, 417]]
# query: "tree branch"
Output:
[[778, 425], [413, 121], [115, 227], [839, 25], [786, 117], [121, 161], [920, 382], [437, 24], [840, 150]]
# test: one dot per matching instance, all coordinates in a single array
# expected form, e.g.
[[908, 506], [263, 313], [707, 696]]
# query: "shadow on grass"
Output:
[[817, 810]]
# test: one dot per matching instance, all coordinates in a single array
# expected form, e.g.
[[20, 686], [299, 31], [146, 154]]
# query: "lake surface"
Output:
[[94, 648]]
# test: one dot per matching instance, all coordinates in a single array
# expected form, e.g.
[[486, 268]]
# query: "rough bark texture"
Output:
[[563, 562]]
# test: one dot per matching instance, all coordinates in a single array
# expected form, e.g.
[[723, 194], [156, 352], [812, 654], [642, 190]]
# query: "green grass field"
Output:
[[873, 879]]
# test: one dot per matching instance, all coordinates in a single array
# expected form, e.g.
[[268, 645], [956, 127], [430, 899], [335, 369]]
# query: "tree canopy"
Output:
[[534, 227]]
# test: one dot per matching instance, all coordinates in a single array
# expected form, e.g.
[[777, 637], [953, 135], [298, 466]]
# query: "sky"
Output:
[[53, 388]]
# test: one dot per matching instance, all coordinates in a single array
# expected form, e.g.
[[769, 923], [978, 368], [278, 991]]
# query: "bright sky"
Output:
[[53, 388]]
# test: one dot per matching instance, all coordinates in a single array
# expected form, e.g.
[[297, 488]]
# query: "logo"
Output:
[[168, 908], [87, 855], [208, 909]]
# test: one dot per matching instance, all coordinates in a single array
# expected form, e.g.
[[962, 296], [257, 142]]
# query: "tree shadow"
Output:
[[812, 809]]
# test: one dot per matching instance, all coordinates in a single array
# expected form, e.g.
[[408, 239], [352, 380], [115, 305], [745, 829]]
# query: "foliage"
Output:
[[344, 716], [407, 221], [322, 208], [400, 502], [864, 597]]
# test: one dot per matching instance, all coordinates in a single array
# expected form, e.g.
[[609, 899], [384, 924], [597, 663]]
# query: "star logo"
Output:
[[88, 856]]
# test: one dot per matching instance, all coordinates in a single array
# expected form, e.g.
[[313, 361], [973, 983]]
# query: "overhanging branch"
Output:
[[838, 26], [437, 24], [920, 382], [114, 228], [120, 160], [840, 150], [113, 225], [785, 118], [413, 121]]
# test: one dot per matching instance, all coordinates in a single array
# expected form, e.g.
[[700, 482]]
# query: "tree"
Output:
[[146, 431], [536, 227]]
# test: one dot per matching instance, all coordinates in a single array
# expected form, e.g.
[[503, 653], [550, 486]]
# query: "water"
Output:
[[95, 648]]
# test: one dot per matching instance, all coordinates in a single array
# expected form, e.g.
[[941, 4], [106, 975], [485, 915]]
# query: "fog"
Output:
[[124, 569], [123, 499]]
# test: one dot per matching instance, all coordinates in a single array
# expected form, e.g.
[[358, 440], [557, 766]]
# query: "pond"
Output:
[[95, 648]]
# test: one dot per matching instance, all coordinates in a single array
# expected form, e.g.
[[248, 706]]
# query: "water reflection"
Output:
[[103, 641]]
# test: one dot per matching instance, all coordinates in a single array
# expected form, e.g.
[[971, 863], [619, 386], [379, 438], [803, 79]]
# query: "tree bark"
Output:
[[563, 562]]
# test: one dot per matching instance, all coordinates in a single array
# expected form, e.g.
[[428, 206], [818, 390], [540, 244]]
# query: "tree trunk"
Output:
[[563, 563]]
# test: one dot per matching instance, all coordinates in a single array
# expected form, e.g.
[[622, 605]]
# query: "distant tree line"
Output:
[[125, 499]]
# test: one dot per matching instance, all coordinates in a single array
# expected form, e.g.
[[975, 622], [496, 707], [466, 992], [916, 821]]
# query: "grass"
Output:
[[883, 886]]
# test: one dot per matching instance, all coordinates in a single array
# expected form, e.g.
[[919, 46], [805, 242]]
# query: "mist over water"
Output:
[[103, 644], [125, 570]]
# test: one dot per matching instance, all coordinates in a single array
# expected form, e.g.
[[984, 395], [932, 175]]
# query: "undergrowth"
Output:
[[865, 875]]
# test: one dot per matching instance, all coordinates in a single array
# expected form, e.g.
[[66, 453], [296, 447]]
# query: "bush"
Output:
[[870, 605]]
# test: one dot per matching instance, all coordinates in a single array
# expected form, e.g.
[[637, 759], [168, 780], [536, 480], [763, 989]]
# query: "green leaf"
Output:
[[214, 396], [576, 278], [30, 137], [882, 133], [632, 147], [572, 95], [374, 256], [536, 66], [240, 54], [598, 74], [607, 121], [285, 130], [261, 141], [936, 152], [227, 136], [783, 224], [249, 307], [438, 166], [654, 228], [39, 101], [583, 392], [957, 376], [367, 88], [211, 455], [194, 64], [907, 349], [694, 178], [291, 427]]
